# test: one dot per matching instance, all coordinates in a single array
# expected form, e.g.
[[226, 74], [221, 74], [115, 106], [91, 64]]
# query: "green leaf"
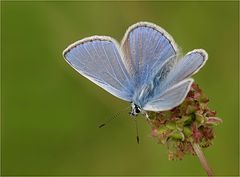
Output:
[[162, 129], [177, 135], [187, 131], [171, 125], [199, 118]]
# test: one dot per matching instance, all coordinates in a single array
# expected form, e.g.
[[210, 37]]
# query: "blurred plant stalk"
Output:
[[186, 128]]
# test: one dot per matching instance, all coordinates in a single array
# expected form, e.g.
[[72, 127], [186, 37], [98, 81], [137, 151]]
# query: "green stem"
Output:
[[202, 159]]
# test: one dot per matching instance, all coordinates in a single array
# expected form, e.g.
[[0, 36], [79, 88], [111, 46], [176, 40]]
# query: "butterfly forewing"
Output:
[[98, 58], [146, 47]]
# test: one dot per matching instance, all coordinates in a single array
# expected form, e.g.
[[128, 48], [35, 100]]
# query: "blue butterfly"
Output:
[[145, 70]]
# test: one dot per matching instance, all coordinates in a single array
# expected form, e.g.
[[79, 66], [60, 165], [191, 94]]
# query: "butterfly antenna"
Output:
[[137, 130], [113, 117]]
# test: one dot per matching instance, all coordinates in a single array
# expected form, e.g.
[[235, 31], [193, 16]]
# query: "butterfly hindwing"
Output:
[[176, 84], [190, 64], [169, 98]]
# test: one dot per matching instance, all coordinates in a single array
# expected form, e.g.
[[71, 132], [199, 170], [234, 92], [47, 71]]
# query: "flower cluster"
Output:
[[191, 122]]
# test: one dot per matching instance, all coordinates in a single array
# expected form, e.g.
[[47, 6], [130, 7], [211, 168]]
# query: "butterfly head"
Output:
[[135, 109]]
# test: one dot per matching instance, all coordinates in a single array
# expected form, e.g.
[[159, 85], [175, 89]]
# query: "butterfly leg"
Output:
[[146, 115]]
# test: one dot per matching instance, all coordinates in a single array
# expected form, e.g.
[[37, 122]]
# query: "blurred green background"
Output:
[[50, 113]]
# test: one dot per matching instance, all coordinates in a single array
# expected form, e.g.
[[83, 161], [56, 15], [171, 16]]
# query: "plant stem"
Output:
[[202, 159]]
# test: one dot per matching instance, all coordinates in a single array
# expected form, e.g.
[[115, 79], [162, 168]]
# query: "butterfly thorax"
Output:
[[135, 109], [140, 97]]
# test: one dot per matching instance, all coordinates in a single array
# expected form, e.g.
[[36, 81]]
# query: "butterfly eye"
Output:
[[138, 110]]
